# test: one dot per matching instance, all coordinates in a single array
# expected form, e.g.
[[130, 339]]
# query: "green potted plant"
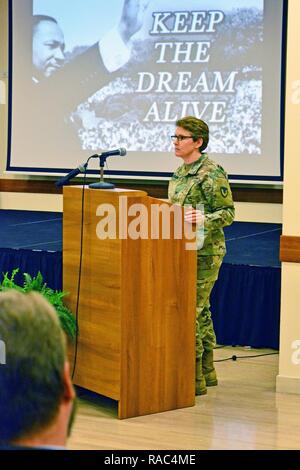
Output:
[[55, 297]]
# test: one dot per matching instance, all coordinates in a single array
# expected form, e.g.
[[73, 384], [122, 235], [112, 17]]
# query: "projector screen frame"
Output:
[[148, 175]]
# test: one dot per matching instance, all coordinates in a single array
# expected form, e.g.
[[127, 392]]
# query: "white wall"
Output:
[[288, 379]]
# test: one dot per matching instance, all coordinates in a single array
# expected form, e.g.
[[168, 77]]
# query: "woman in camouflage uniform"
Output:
[[197, 181]]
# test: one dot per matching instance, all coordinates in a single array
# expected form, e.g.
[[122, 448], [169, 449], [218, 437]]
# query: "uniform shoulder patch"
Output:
[[224, 191]]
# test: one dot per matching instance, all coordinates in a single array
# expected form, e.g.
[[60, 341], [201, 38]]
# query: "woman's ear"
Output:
[[199, 142]]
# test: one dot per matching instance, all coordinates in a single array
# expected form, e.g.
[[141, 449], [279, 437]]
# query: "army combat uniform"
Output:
[[205, 182]]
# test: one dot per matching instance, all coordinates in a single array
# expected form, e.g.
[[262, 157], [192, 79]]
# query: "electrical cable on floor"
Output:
[[234, 357]]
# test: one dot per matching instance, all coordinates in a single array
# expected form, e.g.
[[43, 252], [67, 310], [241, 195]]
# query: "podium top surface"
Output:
[[119, 191]]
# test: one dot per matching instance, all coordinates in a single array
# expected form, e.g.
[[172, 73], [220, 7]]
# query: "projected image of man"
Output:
[[63, 80], [48, 46]]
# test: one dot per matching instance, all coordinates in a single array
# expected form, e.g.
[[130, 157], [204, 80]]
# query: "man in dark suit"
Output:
[[60, 85], [36, 392]]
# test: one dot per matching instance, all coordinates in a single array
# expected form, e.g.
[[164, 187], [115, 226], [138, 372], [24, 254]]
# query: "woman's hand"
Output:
[[194, 216], [132, 17]]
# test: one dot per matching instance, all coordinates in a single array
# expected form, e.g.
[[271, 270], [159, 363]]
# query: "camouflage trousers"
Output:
[[207, 273]]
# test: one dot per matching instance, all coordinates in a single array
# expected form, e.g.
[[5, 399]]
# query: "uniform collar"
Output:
[[192, 168]]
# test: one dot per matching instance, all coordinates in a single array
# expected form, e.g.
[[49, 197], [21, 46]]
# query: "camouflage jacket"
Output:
[[205, 182]]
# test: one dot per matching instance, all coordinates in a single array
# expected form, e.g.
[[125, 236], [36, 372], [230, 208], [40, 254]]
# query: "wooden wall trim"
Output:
[[28, 186], [156, 189], [290, 249], [266, 195]]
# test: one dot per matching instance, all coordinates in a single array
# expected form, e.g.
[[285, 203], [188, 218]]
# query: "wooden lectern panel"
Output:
[[137, 306]]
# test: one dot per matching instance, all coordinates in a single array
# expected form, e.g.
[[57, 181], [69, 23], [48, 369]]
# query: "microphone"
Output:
[[103, 156], [110, 153], [80, 169]]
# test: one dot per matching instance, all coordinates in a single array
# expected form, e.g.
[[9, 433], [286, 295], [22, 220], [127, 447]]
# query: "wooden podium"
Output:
[[136, 316]]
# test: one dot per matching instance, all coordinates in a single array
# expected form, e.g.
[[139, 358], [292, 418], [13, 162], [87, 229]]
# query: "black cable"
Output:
[[234, 357], [79, 268], [107, 168]]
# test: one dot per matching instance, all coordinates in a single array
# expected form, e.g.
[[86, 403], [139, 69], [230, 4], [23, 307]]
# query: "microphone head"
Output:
[[122, 151]]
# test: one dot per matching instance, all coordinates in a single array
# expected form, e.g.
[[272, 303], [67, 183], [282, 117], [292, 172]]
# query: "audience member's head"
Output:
[[48, 46], [36, 392]]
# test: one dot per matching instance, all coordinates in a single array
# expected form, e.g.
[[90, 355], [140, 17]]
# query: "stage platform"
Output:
[[245, 299]]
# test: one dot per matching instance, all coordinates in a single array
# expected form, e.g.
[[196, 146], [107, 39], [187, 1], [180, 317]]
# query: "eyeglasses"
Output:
[[180, 138]]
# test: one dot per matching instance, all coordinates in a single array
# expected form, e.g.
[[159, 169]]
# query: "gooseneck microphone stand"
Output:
[[102, 184]]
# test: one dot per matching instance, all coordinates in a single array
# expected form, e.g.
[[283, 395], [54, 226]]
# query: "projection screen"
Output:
[[219, 60]]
